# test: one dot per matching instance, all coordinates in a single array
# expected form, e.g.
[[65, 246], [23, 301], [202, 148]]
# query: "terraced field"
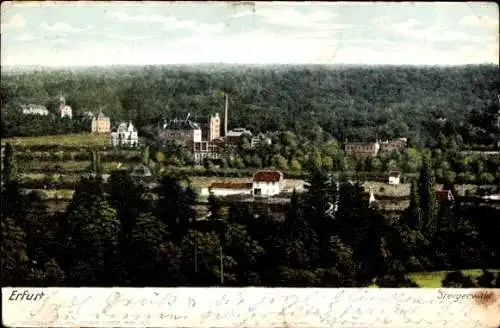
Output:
[[87, 139]]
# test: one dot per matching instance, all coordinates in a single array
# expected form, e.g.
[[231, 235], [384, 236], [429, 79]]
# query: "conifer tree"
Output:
[[415, 212], [12, 202], [145, 155], [9, 164], [428, 195]]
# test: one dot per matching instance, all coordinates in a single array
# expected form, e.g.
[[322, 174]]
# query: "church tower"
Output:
[[64, 110]]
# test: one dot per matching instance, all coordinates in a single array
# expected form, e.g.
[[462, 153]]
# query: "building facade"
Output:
[[259, 140], [210, 127], [185, 130], [365, 149], [206, 150], [238, 132], [125, 135], [394, 177], [230, 188], [396, 144], [267, 183], [32, 109], [64, 110], [101, 124]]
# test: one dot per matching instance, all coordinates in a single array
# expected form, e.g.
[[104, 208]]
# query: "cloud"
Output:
[[24, 37], [413, 28], [171, 23], [62, 27], [406, 25], [381, 20], [16, 21], [289, 17], [124, 37], [253, 47], [59, 41], [480, 21]]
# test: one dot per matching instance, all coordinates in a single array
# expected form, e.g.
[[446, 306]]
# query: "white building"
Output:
[[267, 183], [260, 139], [238, 132], [222, 189], [35, 110], [125, 135], [64, 110], [394, 177]]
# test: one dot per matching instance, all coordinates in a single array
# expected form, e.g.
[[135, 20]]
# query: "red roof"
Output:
[[267, 176], [231, 185], [444, 195], [394, 174]]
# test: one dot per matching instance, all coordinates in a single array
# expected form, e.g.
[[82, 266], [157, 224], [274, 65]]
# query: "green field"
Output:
[[80, 139], [403, 189], [434, 279], [68, 165]]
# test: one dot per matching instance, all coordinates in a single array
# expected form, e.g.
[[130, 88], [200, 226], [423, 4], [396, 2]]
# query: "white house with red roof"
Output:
[[267, 183]]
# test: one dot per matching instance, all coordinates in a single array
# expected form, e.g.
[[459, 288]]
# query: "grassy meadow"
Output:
[[79, 139], [434, 279]]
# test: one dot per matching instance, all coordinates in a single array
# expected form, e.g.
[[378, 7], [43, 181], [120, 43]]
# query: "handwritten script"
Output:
[[248, 307]]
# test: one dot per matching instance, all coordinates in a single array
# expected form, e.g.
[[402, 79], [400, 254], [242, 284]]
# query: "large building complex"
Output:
[[186, 131], [210, 127]]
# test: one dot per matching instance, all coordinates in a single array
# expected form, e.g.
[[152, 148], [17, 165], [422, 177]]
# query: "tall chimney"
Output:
[[225, 114]]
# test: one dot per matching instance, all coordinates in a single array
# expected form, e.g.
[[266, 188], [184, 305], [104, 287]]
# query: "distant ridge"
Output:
[[218, 66]]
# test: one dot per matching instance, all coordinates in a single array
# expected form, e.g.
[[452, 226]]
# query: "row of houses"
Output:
[[63, 109]]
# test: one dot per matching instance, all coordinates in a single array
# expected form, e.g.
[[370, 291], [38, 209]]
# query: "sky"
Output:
[[140, 33]]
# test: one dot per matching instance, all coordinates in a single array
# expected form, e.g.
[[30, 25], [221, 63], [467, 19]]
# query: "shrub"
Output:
[[456, 279]]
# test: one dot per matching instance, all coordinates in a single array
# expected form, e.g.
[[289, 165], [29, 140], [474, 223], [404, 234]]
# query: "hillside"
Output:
[[346, 101]]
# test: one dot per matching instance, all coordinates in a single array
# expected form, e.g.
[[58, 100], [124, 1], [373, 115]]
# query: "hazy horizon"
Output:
[[117, 34]]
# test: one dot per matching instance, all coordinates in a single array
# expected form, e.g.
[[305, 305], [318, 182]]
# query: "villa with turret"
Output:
[[125, 135]]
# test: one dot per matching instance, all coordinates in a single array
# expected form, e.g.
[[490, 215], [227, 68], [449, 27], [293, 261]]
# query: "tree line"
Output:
[[330, 237], [355, 103]]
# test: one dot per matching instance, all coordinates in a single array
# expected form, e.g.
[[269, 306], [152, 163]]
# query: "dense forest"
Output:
[[355, 103], [112, 235]]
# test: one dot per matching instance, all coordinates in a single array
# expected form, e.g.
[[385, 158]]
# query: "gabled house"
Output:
[[267, 183], [101, 124], [125, 135], [394, 177]]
